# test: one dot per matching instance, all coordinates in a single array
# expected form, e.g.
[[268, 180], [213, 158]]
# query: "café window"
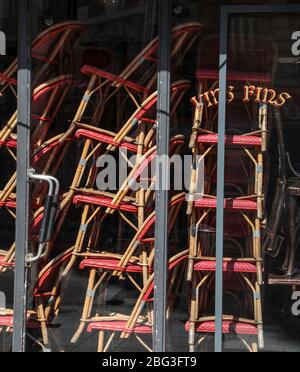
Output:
[[150, 176]]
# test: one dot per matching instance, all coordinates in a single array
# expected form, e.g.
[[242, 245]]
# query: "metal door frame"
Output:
[[226, 12], [23, 162]]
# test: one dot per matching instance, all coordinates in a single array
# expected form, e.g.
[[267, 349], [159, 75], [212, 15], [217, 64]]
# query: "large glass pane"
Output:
[[93, 128], [264, 111], [260, 249]]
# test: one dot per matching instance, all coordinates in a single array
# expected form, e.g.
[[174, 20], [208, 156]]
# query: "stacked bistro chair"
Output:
[[138, 80], [247, 128], [132, 129], [133, 207], [47, 300], [50, 49], [100, 89], [47, 101], [99, 143], [127, 264], [138, 323], [43, 160], [136, 135]]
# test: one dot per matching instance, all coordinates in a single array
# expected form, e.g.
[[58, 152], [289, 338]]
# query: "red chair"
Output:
[[137, 324], [45, 159], [50, 51], [138, 79], [123, 265], [47, 101], [47, 300], [98, 142]]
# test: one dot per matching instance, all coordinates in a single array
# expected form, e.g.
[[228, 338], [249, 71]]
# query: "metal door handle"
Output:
[[50, 209]]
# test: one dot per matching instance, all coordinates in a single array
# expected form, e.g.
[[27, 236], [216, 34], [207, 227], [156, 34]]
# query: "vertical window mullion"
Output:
[[23, 162], [221, 183], [162, 195]]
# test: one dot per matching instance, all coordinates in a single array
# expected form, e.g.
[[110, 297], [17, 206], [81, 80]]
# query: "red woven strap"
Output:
[[235, 267], [228, 204], [3, 263], [105, 139], [8, 79], [9, 143], [89, 70], [8, 204], [104, 202], [236, 140], [110, 264], [235, 76]]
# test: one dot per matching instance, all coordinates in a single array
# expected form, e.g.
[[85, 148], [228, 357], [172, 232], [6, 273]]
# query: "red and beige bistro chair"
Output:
[[47, 298], [139, 323], [99, 205], [50, 51], [138, 79], [45, 159], [242, 268], [98, 142], [106, 265], [47, 101]]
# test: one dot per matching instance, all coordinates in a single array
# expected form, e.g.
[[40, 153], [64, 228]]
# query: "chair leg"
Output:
[[254, 347], [101, 341], [292, 234], [193, 318], [88, 303], [42, 319]]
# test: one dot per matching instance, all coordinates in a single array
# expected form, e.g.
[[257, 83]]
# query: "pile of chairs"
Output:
[[247, 128], [98, 131], [116, 118]]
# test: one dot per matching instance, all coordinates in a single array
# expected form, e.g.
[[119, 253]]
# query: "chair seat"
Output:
[[8, 321], [119, 326], [104, 202], [234, 266], [235, 76], [231, 204], [233, 140], [229, 327], [109, 263], [105, 138]]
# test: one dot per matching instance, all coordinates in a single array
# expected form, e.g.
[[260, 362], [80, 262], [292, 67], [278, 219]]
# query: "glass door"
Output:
[[239, 222], [89, 204], [257, 231]]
